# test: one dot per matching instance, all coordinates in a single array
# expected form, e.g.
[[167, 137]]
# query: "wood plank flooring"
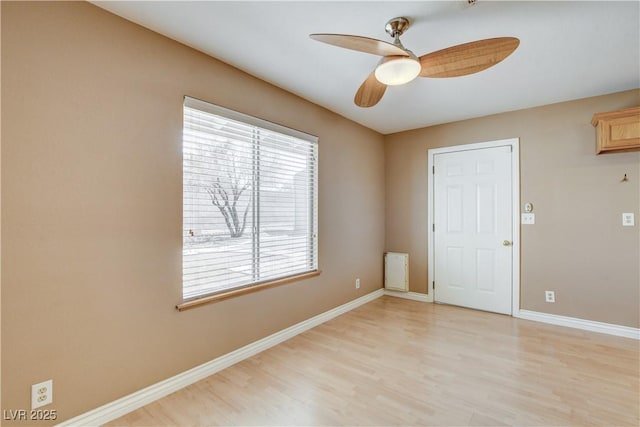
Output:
[[400, 362]]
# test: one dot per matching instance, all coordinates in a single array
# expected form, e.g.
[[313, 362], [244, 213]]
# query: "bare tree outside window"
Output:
[[227, 194]]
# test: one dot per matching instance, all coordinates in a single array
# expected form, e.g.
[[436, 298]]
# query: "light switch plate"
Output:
[[628, 219], [528, 218]]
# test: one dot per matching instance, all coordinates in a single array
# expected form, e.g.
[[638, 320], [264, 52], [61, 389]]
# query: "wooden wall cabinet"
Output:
[[617, 131]]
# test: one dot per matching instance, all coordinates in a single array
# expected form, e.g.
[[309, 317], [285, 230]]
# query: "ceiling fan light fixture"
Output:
[[397, 70]]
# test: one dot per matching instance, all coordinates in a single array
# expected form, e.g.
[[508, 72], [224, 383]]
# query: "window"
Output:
[[249, 201]]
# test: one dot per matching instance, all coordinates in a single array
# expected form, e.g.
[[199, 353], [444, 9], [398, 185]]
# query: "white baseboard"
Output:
[[587, 325], [138, 399], [409, 295], [554, 319]]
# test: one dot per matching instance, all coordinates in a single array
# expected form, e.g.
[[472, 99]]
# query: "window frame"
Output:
[[246, 119]]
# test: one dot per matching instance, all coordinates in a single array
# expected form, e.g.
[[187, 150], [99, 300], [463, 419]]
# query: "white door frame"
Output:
[[514, 143]]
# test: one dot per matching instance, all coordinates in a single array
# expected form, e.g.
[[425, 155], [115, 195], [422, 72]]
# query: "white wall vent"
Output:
[[396, 271]]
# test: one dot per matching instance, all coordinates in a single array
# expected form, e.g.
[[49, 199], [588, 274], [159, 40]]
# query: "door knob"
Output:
[[506, 243]]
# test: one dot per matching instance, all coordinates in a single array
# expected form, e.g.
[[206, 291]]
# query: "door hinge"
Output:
[[433, 170], [434, 284], [433, 227]]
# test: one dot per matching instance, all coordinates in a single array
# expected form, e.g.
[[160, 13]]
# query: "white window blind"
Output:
[[249, 200]]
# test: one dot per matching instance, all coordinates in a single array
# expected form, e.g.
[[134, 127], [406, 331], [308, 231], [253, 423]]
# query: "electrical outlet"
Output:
[[549, 296], [358, 283], [41, 394]]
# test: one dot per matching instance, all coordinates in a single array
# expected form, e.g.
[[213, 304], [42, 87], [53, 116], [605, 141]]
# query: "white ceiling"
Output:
[[568, 50]]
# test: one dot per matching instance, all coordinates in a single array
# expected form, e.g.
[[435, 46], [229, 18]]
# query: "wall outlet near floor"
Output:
[[41, 394], [358, 283], [550, 296]]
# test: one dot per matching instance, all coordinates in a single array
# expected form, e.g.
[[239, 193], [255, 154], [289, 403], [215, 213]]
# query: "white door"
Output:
[[473, 228]]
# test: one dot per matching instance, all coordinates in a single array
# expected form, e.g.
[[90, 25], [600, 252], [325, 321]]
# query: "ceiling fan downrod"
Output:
[[395, 27]]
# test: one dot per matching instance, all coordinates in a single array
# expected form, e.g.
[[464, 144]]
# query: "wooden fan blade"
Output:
[[467, 58], [370, 92], [361, 44]]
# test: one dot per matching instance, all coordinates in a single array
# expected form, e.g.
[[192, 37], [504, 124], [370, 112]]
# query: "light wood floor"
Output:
[[401, 362]]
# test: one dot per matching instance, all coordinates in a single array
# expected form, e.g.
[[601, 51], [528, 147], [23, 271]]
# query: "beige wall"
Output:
[[91, 207], [578, 246]]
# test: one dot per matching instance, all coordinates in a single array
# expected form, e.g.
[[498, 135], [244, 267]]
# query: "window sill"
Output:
[[242, 291]]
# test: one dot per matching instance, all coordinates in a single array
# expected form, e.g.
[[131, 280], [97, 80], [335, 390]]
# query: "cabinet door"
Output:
[[619, 134]]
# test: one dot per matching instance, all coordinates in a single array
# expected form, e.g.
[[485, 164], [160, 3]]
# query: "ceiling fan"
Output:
[[399, 65]]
